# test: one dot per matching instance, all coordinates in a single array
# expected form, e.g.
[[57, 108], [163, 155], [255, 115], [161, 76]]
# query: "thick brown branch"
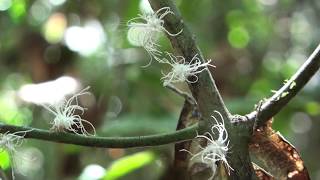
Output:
[[206, 93]]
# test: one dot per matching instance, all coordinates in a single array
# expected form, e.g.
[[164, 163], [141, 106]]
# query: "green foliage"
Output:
[[134, 124], [238, 37], [18, 10], [127, 164], [313, 108], [4, 159]]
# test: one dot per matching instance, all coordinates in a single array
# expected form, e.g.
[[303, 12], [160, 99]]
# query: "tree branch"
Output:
[[185, 95], [206, 93], [288, 91], [204, 90], [104, 142]]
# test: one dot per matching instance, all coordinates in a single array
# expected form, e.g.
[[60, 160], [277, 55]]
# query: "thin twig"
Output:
[[289, 90], [104, 142], [183, 94]]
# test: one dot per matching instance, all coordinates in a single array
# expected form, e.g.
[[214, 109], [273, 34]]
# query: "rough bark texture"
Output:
[[206, 93]]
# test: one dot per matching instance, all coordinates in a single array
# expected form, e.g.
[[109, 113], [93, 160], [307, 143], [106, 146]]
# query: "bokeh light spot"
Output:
[[238, 37], [18, 10], [54, 27], [92, 172], [4, 159], [49, 92], [300, 123], [5, 4], [313, 108], [40, 10], [85, 40], [57, 2]]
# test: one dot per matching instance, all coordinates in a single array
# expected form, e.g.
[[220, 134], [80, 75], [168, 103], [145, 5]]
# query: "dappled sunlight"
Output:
[[49, 92], [55, 27], [92, 172], [87, 39]]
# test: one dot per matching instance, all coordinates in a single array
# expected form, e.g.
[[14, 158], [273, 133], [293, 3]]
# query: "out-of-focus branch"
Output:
[[104, 142], [288, 91]]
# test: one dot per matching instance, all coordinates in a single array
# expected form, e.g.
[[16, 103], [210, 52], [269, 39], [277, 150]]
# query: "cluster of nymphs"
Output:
[[66, 118], [145, 30], [216, 149]]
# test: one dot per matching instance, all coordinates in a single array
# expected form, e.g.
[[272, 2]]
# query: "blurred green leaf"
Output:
[[4, 159], [313, 108], [18, 10], [127, 164], [238, 37], [9, 111]]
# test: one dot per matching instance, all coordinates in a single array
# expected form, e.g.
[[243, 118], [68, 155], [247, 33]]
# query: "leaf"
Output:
[[4, 159], [279, 157], [18, 10], [127, 164]]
